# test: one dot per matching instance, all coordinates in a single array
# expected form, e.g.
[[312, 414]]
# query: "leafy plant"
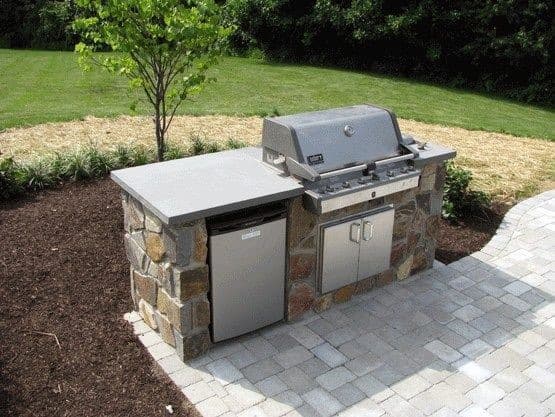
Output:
[[9, 184], [36, 175], [234, 144], [123, 156], [201, 146], [88, 162], [164, 47], [174, 152], [458, 197]]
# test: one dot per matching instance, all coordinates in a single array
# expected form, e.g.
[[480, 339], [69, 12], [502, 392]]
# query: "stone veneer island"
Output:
[[167, 244]]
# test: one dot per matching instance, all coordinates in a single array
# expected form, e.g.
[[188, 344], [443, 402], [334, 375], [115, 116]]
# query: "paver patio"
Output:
[[474, 338]]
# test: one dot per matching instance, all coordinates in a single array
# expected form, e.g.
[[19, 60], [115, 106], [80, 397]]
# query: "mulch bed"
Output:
[[468, 235], [63, 271]]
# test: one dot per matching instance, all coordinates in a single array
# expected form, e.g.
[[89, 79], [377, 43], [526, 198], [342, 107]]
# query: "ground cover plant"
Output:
[[90, 162], [53, 88]]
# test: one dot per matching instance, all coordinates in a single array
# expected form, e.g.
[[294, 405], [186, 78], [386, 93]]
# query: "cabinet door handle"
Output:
[[354, 235], [367, 230]]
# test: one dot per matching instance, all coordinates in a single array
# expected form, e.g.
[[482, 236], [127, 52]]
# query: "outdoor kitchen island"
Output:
[[335, 203]]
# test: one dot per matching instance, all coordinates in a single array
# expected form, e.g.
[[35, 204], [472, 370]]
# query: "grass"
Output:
[[45, 86]]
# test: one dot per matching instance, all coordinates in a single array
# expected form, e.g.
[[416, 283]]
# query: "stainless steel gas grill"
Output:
[[343, 156]]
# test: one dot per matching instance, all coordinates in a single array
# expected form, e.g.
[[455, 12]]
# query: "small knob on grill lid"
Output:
[[390, 173]]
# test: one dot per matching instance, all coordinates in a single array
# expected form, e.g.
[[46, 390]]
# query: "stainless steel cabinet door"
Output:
[[340, 254], [248, 279], [375, 243]]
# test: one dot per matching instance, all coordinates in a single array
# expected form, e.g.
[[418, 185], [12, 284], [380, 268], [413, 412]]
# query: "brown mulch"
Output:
[[468, 235], [63, 271]]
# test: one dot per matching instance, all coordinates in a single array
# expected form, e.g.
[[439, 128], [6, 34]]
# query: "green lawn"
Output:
[[40, 86]]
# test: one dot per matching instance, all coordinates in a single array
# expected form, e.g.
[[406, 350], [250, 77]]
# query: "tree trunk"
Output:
[[160, 142]]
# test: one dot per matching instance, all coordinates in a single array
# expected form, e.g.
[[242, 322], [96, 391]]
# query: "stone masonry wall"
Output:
[[417, 214], [169, 277]]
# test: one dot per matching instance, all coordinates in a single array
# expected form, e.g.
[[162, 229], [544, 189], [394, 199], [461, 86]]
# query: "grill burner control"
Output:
[[390, 173], [346, 185]]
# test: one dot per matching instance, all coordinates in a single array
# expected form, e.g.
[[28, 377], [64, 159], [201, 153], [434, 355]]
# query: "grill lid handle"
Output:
[[301, 170]]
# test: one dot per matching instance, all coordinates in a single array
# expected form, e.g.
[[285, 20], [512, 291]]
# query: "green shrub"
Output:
[[89, 162], [174, 152], [123, 156], [235, 144], [9, 184], [36, 175], [458, 198], [201, 146]]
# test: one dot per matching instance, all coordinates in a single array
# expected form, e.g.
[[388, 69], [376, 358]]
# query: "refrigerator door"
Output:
[[340, 247], [247, 272], [375, 243]]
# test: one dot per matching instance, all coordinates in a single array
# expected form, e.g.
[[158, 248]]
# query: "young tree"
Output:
[[163, 46]]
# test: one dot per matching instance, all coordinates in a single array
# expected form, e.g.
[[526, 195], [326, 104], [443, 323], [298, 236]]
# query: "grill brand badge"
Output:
[[315, 159], [250, 235]]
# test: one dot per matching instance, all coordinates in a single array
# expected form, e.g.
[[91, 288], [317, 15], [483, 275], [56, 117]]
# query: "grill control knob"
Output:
[[346, 184], [330, 189], [411, 167], [390, 173], [404, 170], [375, 176]]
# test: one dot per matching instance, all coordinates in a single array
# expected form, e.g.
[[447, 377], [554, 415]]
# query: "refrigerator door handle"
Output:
[[354, 234]]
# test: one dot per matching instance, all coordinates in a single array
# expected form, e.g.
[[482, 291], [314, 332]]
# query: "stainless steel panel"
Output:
[[375, 245], [337, 136], [340, 247], [337, 202], [247, 271]]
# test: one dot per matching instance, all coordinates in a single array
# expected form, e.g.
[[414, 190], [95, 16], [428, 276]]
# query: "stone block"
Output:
[[164, 274], [179, 244], [300, 300], [133, 214], [155, 248], [178, 314], [323, 302], [436, 203], [301, 266], [136, 256], [190, 281], [403, 271], [201, 313], [145, 287], [441, 174], [398, 252], [192, 345], [344, 294], [165, 328], [301, 223], [420, 260], [152, 223], [200, 247], [384, 278], [365, 285], [423, 202], [404, 220], [146, 312], [432, 226]]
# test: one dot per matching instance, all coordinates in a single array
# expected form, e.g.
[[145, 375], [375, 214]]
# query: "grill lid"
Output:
[[333, 139]]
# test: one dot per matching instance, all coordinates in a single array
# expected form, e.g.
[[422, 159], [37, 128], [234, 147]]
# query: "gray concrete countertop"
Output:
[[191, 188]]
